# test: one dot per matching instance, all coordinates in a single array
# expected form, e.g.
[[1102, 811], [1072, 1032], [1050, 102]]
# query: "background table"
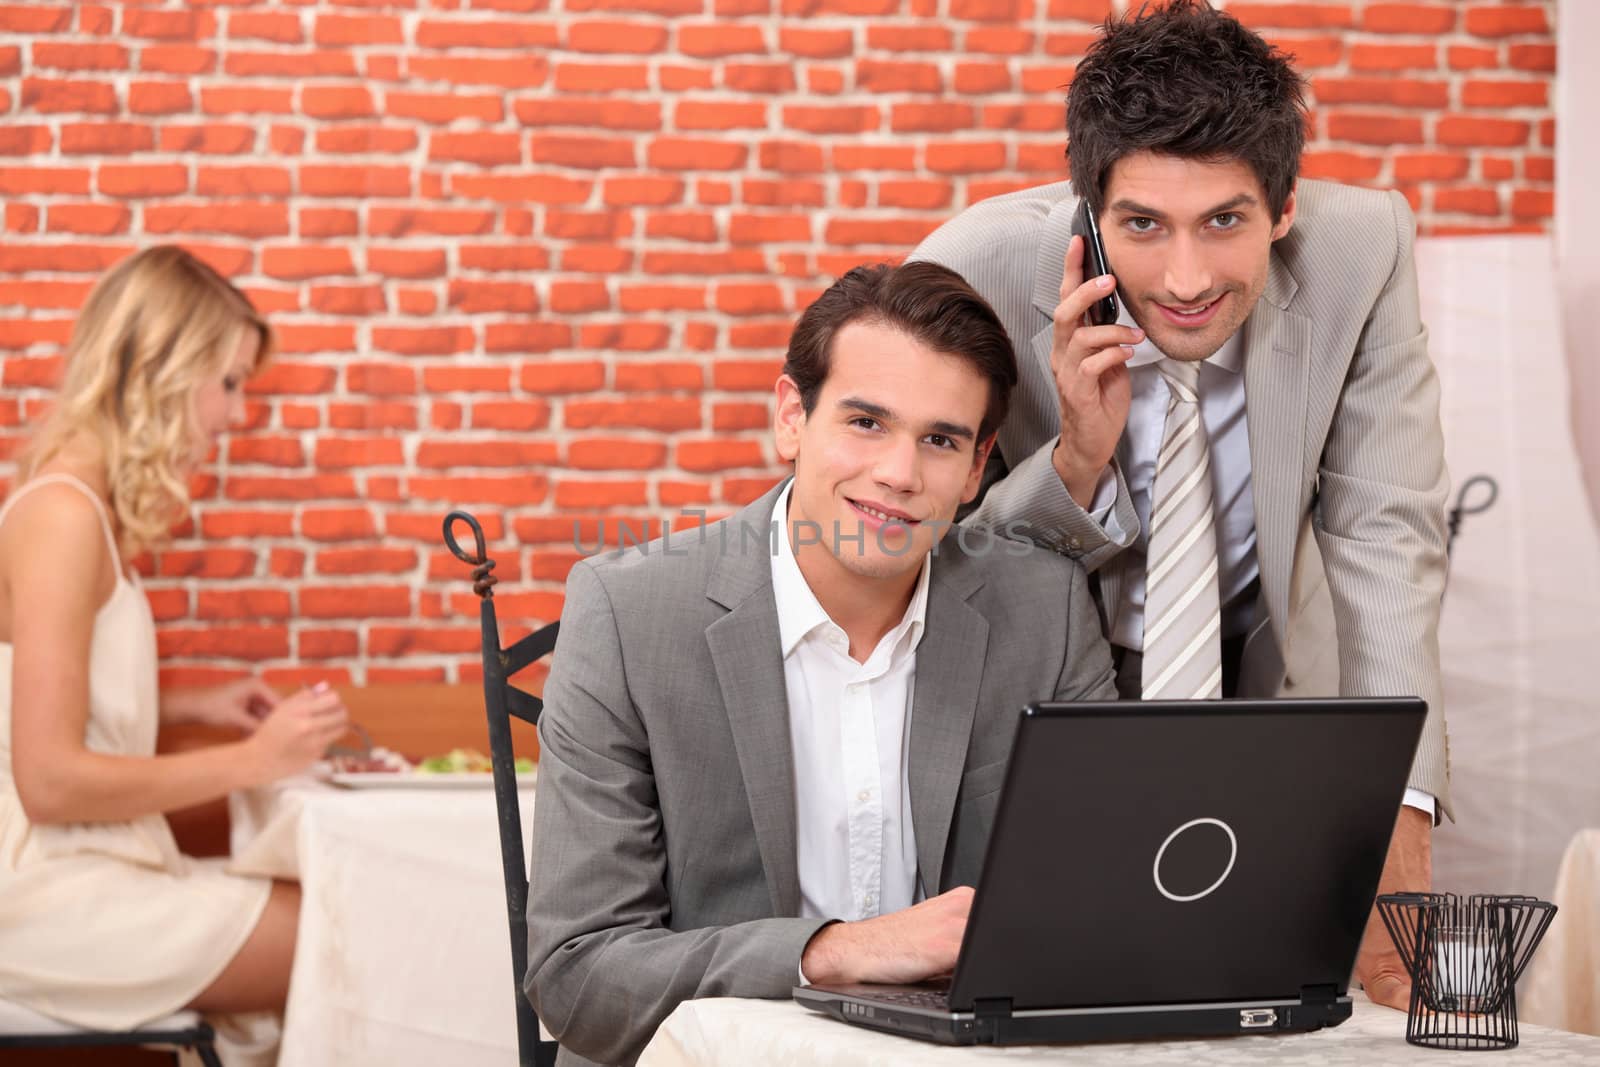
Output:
[[734, 1033], [1562, 985], [403, 954]]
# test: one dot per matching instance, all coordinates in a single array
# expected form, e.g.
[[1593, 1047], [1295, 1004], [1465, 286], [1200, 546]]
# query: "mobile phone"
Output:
[[1102, 312]]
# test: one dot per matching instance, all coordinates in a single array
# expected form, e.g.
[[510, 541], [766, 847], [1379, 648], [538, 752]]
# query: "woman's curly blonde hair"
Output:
[[153, 329]]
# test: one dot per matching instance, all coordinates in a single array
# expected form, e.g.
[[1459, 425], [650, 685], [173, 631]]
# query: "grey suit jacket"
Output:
[[1346, 451], [663, 858]]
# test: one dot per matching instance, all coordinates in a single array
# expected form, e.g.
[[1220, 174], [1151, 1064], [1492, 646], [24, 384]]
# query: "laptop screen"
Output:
[[1180, 852]]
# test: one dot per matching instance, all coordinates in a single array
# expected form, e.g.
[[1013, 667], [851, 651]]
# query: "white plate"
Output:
[[414, 780]]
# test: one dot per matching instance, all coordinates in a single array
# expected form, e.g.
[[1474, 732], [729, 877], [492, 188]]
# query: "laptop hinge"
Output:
[[992, 1008], [1325, 993]]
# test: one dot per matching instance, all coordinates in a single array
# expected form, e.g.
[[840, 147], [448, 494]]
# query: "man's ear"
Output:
[[789, 418], [980, 459], [1286, 220]]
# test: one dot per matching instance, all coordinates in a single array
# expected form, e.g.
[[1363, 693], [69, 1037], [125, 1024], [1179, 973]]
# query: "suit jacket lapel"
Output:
[[1277, 376], [944, 704], [746, 648]]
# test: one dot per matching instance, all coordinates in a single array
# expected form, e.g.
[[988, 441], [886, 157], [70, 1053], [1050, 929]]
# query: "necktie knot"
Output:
[[1182, 377]]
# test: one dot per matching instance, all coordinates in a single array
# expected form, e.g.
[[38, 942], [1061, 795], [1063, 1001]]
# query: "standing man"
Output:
[[773, 751], [1249, 461]]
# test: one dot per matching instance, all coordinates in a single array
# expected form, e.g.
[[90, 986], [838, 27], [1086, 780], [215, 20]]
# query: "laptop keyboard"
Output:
[[936, 999]]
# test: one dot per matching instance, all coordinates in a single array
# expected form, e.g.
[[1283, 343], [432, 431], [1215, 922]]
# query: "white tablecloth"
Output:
[[737, 1033], [403, 955], [1561, 987]]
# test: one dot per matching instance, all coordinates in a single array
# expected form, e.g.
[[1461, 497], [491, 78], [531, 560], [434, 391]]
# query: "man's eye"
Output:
[[939, 440], [1226, 221], [865, 422], [1140, 224]]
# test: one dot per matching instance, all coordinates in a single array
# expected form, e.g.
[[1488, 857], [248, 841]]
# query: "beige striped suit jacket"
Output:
[[1346, 451]]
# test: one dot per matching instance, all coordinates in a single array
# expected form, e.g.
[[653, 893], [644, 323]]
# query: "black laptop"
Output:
[[1161, 869]]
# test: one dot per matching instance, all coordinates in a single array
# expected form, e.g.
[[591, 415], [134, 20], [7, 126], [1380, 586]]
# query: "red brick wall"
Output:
[[540, 257]]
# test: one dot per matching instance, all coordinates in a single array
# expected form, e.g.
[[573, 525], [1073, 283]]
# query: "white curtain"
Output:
[[1578, 222]]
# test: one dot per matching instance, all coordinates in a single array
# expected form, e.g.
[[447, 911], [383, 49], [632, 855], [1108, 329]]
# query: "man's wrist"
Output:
[[819, 960], [1079, 479]]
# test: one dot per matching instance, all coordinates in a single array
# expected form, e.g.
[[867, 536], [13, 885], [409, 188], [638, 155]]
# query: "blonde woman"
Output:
[[103, 922]]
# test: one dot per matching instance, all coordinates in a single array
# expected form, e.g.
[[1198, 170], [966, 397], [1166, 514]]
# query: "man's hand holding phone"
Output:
[[1091, 378]]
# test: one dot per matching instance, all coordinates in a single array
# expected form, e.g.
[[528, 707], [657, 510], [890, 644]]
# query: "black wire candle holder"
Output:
[[1464, 955]]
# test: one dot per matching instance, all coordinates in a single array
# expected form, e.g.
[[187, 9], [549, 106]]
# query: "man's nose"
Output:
[[1188, 277]]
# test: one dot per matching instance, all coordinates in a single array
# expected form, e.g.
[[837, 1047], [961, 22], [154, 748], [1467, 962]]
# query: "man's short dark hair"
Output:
[[1185, 80], [929, 303]]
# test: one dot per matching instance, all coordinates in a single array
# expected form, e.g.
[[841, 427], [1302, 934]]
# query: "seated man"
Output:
[[772, 747]]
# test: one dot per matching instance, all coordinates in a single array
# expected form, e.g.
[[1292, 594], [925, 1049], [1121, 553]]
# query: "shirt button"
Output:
[[864, 796], [1075, 543], [866, 901]]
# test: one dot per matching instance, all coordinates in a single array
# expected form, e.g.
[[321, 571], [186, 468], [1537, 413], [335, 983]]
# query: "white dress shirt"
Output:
[[849, 727], [1222, 412]]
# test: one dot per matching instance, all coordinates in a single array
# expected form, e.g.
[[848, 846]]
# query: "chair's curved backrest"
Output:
[[501, 700]]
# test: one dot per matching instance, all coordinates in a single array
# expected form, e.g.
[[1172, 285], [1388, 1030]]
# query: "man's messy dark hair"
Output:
[[1189, 81]]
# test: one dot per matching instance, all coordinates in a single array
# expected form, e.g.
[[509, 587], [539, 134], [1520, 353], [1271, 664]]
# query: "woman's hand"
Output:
[[239, 705], [296, 733]]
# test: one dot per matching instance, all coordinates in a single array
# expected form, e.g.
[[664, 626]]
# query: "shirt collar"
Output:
[[799, 613], [1230, 357]]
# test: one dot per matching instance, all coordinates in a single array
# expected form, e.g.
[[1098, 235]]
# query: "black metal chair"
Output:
[[21, 1027], [501, 700]]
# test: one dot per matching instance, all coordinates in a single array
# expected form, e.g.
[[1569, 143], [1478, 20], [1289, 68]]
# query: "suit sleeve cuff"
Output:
[[1416, 798]]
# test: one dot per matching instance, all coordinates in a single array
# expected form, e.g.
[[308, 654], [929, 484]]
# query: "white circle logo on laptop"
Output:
[[1233, 854]]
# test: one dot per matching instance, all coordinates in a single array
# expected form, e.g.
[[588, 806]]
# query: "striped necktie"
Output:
[[1182, 618]]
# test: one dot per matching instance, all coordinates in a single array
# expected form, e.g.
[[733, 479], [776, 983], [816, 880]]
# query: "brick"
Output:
[[34, 19], [1466, 201], [1393, 56], [601, 77], [224, 642], [1408, 18], [283, 378], [517, 490], [343, 181], [501, 33], [573, 493], [721, 39], [562, 377], [791, 157], [56, 181], [176, 59], [1506, 20], [590, 113], [365, 140], [483, 148], [525, 337], [663, 414], [328, 644], [1503, 94], [759, 77], [632, 38], [296, 487], [348, 299], [496, 452], [453, 222], [235, 523], [1532, 57], [891, 232], [54, 96], [682, 153], [1375, 129], [242, 181], [587, 152], [270, 451], [108, 138], [372, 560], [877, 76], [1505, 133], [719, 455], [509, 258], [1431, 166], [816, 44], [59, 259], [1495, 168], [88, 219], [445, 108], [522, 188], [358, 30], [407, 263], [1533, 204], [355, 602], [715, 115], [476, 297], [1401, 92], [140, 181], [210, 139], [337, 101], [519, 72], [1472, 57], [967, 157], [1539, 168], [281, 27], [423, 341], [210, 563], [298, 65], [831, 120], [1308, 53], [676, 79], [97, 57]]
